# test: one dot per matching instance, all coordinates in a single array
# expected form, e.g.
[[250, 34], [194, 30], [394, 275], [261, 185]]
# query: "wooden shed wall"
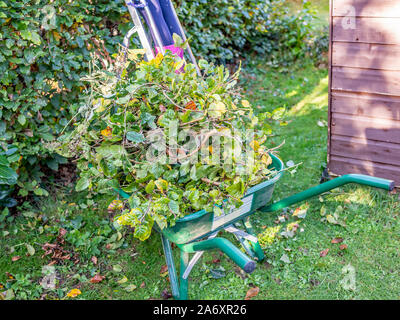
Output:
[[364, 99]]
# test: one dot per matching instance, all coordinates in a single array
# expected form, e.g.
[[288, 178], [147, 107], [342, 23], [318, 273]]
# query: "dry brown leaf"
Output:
[[164, 271], [343, 246], [143, 284], [62, 232], [337, 240], [97, 278], [323, 253], [166, 294], [252, 292], [15, 258], [94, 260], [164, 268]]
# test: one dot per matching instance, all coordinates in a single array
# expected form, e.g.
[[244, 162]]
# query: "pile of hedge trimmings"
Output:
[[148, 130]]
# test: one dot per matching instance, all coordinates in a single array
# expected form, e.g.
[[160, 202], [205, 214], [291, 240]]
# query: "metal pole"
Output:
[[130, 33], [153, 27], [140, 29], [192, 58]]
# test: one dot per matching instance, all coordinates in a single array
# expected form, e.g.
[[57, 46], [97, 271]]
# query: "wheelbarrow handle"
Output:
[[329, 185]]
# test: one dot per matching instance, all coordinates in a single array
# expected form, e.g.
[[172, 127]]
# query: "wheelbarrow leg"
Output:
[[184, 283], [247, 239], [256, 248], [171, 267]]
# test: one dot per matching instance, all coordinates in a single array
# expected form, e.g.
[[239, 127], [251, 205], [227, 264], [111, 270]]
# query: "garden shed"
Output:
[[364, 94]]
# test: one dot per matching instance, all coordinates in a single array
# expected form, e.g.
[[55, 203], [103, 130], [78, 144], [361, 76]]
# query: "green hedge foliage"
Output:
[[45, 48]]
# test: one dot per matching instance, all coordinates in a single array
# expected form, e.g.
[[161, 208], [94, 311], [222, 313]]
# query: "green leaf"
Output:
[[40, 192], [123, 100], [35, 38], [82, 184], [150, 187], [21, 119], [112, 151], [8, 175], [4, 161], [236, 190], [143, 230], [174, 206], [135, 137], [161, 184]]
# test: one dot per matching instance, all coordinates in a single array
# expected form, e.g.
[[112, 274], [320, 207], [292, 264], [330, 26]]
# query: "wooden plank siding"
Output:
[[383, 82], [366, 149], [366, 55], [368, 30], [348, 165], [364, 95], [366, 8], [366, 105]]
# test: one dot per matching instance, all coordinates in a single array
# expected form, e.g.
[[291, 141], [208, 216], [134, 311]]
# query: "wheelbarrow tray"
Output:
[[202, 223]]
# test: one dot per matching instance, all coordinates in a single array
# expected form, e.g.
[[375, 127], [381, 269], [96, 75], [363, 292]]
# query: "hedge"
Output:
[[45, 48]]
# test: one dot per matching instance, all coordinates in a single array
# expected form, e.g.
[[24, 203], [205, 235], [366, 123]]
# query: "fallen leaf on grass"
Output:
[[94, 260], [315, 282], [252, 292], [239, 271], [343, 246], [164, 268], [130, 288], [331, 219], [300, 212], [217, 274], [323, 253], [62, 232], [15, 258], [117, 268], [73, 293], [123, 280], [165, 294], [97, 278], [164, 271], [31, 250], [9, 294], [337, 240], [143, 285], [285, 258]]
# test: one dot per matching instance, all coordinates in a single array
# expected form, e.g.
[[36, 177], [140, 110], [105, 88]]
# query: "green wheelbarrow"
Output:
[[198, 232]]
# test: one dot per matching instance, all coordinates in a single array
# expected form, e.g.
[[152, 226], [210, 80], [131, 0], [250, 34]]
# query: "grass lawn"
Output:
[[298, 264]]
